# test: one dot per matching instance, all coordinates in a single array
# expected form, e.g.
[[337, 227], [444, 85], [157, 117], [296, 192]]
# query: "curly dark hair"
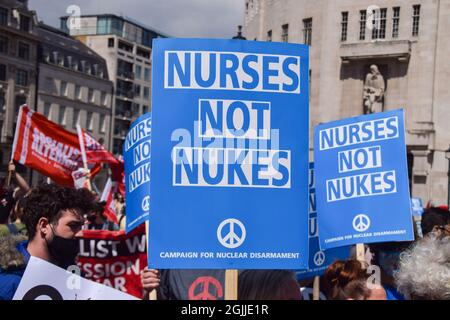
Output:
[[49, 200]]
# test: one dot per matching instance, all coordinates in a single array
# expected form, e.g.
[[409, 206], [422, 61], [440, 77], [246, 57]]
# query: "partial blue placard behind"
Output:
[[137, 154], [319, 260], [417, 207], [362, 180], [229, 155]]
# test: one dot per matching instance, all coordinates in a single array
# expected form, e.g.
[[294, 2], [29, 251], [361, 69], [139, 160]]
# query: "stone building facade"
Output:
[[73, 84], [126, 46], [409, 42], [18, 69], [73, 87]]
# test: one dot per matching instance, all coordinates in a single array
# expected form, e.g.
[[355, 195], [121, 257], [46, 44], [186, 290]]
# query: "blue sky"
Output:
[[178, 18]]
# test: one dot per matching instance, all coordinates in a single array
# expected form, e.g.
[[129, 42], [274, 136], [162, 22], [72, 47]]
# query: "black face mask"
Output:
[[63, 251]]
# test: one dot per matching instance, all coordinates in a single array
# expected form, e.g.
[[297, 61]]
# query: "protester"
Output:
[[348, 280], [268, 285], [436, 219], [10, 203], [425, 269], [387, 257], [54, 217], [6, 206], [13, 258], [98, 221]]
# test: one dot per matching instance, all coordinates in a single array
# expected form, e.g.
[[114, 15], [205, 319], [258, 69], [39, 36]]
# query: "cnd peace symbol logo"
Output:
[[200, 289], [231, 233], [145, 203], [319, 258], [361, 223]]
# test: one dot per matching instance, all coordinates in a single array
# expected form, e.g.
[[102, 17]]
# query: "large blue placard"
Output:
[[229, 155], [362, 183], [136, 154]]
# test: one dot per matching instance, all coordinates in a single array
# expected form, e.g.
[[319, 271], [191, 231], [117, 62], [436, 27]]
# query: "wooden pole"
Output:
[[316, 288], [83, 155], [231, 284], [152, 294]]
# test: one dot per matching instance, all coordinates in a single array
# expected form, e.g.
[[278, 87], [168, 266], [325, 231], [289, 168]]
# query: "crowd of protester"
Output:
[[46, 220]]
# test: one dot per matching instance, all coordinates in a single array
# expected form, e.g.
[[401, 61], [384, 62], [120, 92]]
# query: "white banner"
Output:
[[45, 281]]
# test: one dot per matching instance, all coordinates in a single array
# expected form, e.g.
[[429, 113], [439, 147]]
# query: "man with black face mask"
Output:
[[54, 218]]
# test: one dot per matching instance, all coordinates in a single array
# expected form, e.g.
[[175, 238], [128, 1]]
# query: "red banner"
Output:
[[108, 197], [46, 147], [95, 152], [114, 258]]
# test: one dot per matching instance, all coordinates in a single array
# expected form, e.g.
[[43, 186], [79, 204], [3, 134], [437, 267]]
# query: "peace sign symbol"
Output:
[[319, 258], [231, 240], [145, 203], [204, 294], [361, 223]]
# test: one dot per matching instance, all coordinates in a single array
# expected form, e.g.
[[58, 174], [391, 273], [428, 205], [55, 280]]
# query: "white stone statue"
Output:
[[374, 89]]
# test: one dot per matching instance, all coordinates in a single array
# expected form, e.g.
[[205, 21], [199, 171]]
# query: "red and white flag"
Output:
[[94, 150], [46, 147], [108, 197]]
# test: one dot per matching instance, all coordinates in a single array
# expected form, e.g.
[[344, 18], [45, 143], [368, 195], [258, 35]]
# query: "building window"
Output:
[[416, 20], [47, 110], [89, 121], [379, 24], [24, 51], [24, 23], [111, 42], [147, 74], [20, 101], [146, 93], [102, 124], [124, 69], [63, 89], [3, 16], [138, 72], [126, 47], [143, 53], [22, 77], [2, 72], [307, 31], [344, 26], [68, 62], [137, 90], [78, 92], [62, 115], [2, 102], [285, 33], [135, 108], [103, 98], [269, 36], [91, 95], [362, 24], [145, 108], [395, 22], [4, 44], [75, 118]]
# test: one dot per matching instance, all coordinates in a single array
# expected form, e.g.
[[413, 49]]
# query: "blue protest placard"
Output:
[[136, 154], [362, 183], [229, 155], [319, 260]]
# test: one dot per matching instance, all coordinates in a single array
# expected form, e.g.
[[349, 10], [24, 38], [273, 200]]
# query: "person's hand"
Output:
[[11, 167], [150, 279]]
